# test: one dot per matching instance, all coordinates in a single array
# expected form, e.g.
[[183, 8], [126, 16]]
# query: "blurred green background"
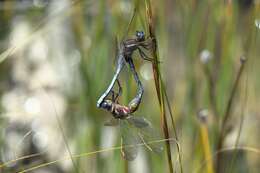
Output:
[[57, 57]]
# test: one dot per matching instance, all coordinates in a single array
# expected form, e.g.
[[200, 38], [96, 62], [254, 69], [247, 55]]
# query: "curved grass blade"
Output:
[[255, 150], [128, 141]]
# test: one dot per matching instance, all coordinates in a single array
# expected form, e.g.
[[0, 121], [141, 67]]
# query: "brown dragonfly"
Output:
[[133, 129]]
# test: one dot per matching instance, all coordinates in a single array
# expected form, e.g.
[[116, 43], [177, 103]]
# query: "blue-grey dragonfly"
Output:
[[125, 52]]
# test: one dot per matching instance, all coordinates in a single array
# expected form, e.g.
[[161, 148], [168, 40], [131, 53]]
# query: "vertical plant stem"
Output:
[[228, 113], [211, 80], [158, 84], [212, 92], [173, 124], [8, 7], [206, 146], [80, 32], [62, 130], [248, 45], [242, 117]]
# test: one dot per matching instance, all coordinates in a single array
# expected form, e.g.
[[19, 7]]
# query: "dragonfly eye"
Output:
[[106, 105], [140, 35]]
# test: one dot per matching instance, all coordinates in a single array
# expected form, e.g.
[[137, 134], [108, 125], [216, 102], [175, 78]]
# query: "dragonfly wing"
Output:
[[128, 141], [112, 122], [139, 122], [149, 136], [130, 23]]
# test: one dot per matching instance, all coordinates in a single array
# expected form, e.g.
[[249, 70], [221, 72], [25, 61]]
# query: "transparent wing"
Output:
[[130, 23], [128, 141], [116, 49], [148, 135], [112, 122], [139, 122]]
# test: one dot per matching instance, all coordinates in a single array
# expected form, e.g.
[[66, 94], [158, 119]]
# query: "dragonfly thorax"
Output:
[[128, 46], [120, 111]]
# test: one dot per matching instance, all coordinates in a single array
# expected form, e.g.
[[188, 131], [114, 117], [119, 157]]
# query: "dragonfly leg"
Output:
[[113, 95], [146, 46], [119, 93]]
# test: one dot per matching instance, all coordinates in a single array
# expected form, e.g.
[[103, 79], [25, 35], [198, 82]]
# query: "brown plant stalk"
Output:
[[227, 114], [158, 84]]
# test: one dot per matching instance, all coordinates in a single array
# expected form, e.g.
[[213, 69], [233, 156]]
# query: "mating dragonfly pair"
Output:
[[133, 129]]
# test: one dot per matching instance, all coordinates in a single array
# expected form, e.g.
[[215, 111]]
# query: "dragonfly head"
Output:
[[140, 36], [106, 104]]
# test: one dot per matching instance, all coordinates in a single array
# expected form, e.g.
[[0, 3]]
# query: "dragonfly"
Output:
[[133, 129], [125, 52]]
